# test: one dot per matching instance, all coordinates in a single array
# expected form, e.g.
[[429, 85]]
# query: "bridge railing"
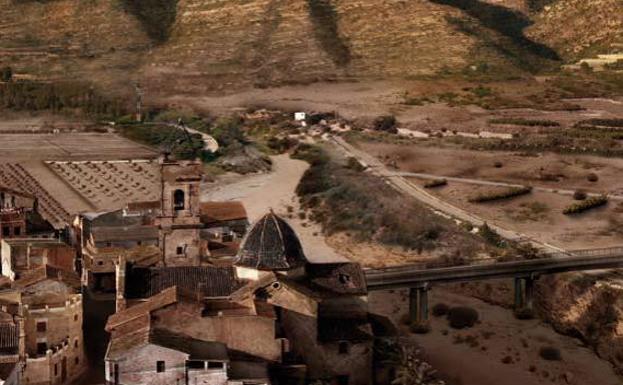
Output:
[[602, 252]]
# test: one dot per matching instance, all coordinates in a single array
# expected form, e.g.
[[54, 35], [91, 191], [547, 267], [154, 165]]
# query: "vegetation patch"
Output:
[[587, 204], [525, 122], [170, 139], [503, 194], [550, 353], [346, 200], [462, 317], [156, 16], [435, 183], [325, 20]]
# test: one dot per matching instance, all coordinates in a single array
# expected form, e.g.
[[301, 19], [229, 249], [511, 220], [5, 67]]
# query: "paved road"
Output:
[[403, 185], [415, 275], [482, 182]]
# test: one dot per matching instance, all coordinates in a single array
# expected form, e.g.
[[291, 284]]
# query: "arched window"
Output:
[[178, 200]]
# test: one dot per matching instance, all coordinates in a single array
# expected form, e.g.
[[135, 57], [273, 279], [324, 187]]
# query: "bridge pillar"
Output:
[[524, 297], [418, 305]]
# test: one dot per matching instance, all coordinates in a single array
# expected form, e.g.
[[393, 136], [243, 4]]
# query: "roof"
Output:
[[207, 281], [42, 273], [336, 278], [12, 191], [216, 212], [165, 298], [124, 233], [271, 244], [196, 349]]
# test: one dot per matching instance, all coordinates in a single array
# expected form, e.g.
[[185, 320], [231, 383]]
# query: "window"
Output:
[[180, 250], [17, 231], [215, 365], [42, 326], [56, 369], [76, 360], [160, 366], [42, 348], [343, 347], [195, 364], [116, 375], [178, 200], [6, 231], [75, 343], [76, 317]]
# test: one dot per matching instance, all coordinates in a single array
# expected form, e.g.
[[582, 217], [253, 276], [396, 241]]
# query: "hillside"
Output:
[[199, 46]]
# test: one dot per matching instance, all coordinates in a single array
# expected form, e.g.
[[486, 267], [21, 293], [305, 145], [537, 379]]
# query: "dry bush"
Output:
[[550, 353], [586, 204], [592, 177], [440, 310], [580, 195], [462, 317], [497, 195]]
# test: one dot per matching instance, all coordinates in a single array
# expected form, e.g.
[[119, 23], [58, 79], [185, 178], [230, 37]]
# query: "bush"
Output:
[[525, 122], [550, 353], [580, 195], [587, 204], [592, 177], [386, 123], [497, 164], [462, 317], [435, 183], [6, 74], [505, 194], [353, 164], [491, 236], [524, 314], [419, 328], [440, 310]]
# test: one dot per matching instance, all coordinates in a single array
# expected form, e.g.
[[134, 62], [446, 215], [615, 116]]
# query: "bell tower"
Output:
[[179, 223]]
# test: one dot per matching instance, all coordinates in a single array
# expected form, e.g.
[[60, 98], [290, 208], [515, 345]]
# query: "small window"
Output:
[[343, 347], [139, 243], [76, 317], [76, 360], [178, 200], [42, 326], [56, 369], [42, 348], [160, 366], [6, 231], [180, 250], [215, 365], [17, 231], [195, 364], [75, 343]]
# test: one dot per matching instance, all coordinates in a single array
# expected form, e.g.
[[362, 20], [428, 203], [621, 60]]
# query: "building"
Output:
[[19, 216], [280, 318]]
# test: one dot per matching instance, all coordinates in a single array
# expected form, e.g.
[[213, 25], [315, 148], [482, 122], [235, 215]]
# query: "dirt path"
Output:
[[275, 190], [479, 360]]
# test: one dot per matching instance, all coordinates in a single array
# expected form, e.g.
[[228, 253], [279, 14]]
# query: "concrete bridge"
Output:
[[419, 279]]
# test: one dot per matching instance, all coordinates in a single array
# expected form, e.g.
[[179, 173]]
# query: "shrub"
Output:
[[6, 74], [353, 164], [491, 236], [525, 122], [435, 183], [386, 123], [550, 353], [440, 310], [587, 204], [462, 317], [497, 164], [579, 195], [419, 328], [592, 177], [497, 195]]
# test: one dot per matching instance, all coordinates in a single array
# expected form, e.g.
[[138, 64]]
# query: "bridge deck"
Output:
[[418, 275]]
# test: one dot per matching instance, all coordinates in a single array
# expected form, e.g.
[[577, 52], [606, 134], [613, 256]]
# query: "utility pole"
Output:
[[139, 101]]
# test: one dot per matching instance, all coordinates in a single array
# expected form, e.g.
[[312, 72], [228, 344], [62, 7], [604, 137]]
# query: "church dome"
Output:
[[271, 244]]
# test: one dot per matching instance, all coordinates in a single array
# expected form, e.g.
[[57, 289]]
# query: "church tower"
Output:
[[179, 222]]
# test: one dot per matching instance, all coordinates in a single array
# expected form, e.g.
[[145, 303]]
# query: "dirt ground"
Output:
[[538, 214], [479, 359]]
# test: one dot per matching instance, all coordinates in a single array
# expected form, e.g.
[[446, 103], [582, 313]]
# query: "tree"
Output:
[[6, 74]]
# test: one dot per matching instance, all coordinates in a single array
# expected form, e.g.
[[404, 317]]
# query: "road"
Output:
[[401, 184], [411, 276], [497, 184]]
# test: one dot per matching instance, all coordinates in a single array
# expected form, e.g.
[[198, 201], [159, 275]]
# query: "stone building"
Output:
[[19, 217], [280, 318]]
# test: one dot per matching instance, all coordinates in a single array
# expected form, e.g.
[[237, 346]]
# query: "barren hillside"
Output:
[[197, 46]]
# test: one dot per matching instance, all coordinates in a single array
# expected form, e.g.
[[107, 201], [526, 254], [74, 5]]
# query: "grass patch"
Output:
[[503, 194], [587, 204], [525, 122]]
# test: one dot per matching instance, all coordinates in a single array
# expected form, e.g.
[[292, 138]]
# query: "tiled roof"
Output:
[[207, 281], [165, 298], [336, 278], [215, 212], [271, 244], [42, 273], [124, 233]]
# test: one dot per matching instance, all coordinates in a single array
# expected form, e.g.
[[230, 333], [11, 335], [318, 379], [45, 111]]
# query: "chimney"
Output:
[[120, 268]]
